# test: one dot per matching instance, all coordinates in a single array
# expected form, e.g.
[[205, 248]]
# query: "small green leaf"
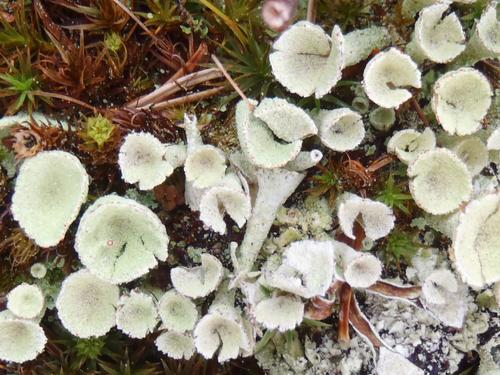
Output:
[[316, 323], [264, 340]]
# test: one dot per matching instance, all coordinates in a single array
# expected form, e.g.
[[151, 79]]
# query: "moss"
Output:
[[400, 246], [98, 130], [90, 348], [113, 42]]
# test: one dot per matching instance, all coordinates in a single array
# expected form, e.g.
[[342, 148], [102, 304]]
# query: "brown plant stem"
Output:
[[394, 291], [169, 88], [189, 98], [359, 236], [319, 308], [55, 32], [419, 111], [66, 98], [345, 307], [334, 288], [138, 21], [191, 64], [231, 81], [380, 163], [360, 323], [311, 11]]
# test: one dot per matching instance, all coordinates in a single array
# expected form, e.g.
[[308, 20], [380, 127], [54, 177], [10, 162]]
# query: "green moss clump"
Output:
[[99, 130], [113, 42]]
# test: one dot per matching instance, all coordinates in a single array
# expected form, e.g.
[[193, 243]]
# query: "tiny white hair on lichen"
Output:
[[177, 312], [86, 305], [340, 129], [407, 144], [376, 218], [136, 314], [307, 269], [460, 100], [198, 281], [439, 181], [26, 301], [387, 74], [283, 313], [120, 240], [306, 60], [22, 340], [49, 191], [476, 241], [176, 345]]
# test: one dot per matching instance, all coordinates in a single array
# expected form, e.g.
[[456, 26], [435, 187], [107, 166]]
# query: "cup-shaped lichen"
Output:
[[386, 77], [178, 313], [271, 135], [437, 37], [198, 281], [143, 160], [26, 301], [477, 240], [306, 60], [22, 340], [120, 240], [407, 144], [340, 129], [86, 304], [440, 181], [136, 314], [283, 313], [460, 100], [49, 192], [176, 345]]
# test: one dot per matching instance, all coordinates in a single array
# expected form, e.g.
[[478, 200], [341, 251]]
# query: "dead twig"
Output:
[[311, 11], [170, 88], [192, 63], [138, 21], [189, 98], [231, 81], [66, 98], [419, 111]]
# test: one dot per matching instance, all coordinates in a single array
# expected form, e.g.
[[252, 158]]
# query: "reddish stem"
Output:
[[419, 111], [395, 291], [345, 307], [361, 324]]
